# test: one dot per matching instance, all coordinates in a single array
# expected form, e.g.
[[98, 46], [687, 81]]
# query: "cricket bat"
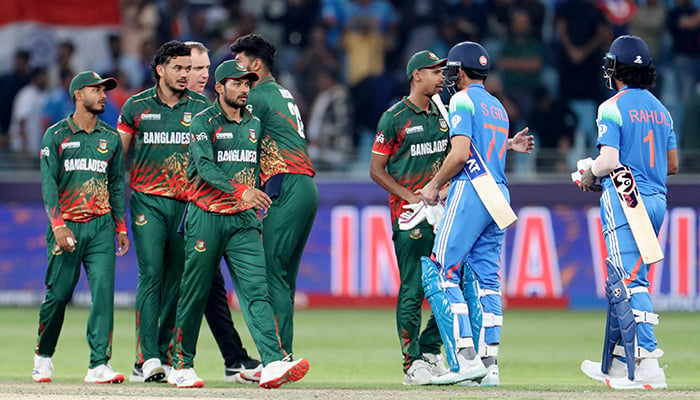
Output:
[[485, 186], [636, 214]]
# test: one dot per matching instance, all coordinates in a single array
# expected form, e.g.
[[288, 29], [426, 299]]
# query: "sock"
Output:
[[489, 361]]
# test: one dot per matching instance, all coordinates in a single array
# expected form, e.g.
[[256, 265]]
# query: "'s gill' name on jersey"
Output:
[[85, 164], [237, 155], [421, 149], [166, 137]]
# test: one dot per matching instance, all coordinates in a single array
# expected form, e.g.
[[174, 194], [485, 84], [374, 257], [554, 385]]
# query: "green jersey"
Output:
[[223, 160], [416, 144], [160, 136], [82, 174], [283, 143]]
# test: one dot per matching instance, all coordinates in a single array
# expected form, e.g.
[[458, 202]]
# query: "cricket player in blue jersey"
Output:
[[635, 130], [467, 252]]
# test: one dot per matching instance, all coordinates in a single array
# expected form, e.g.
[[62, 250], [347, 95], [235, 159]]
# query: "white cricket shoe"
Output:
[[153, 370], [647, 375], [277, 373], [418, 374], [167, 369], [436, 363], [136, 373], [468, 370], [592, 369], [103, 374], [43, 369], [491, 377], [185, 378]]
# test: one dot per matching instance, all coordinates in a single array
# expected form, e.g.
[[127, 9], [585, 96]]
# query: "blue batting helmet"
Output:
[[467, 56]]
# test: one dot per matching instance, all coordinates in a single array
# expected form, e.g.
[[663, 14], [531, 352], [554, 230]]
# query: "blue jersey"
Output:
[[476, 114], [640, 127]]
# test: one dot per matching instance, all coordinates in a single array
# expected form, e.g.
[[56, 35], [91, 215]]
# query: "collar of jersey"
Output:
[[181, 100], [480, 85], [265, 80], [415, 108], [245, 115], [74, 128]]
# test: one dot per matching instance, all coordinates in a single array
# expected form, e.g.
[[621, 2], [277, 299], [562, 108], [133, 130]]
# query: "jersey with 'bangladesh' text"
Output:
[[283, 142], [636, 123], [478, 115], [82, 174], [160, 136], [223, 160], [416, 144]]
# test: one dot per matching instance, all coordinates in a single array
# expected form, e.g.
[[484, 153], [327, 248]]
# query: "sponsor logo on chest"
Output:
[[237, 156], [70, 145], [414, 129], [150, 117], [224, 135]]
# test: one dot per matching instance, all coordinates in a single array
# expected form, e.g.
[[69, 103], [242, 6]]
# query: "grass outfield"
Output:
[[359, 350]]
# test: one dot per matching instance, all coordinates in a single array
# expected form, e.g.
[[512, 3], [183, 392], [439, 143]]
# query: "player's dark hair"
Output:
[[476, 74], [636, 77], [167, 52], [256, 46]]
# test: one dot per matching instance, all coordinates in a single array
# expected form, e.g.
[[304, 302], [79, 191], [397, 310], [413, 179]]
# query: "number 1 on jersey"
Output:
[[650, 138]]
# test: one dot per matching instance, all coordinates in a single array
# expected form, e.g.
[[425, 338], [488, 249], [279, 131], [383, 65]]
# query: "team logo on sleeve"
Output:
[[602, 128], [253, 136], [200, 247], [102, 146], [380, 138], [456, 119], [141, 220], [443, 125], [56, 250], [186, 119], [44, 152], [415, 234]]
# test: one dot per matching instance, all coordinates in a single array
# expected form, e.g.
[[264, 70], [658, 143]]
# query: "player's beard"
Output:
[[94, 107], [175, 88], [236, 103]]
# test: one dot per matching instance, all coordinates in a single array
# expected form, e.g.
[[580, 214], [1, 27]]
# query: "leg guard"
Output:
[[470, 289], [446, 312], [621, 326]]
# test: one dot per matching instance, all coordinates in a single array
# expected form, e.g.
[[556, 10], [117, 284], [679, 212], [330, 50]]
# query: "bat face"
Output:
[[626, 187]]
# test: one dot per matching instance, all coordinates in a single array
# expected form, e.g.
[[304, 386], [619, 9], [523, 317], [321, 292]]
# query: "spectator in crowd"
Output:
[[521, 62], [684, 26], [139, 22], [470, 20], [365, 47], [537, 12], [583, 33], [27, 129], [690, 137], [59, 102], [649, 23], [329, 131], [418, 28], [110, 64], [498, 17], [554, 124], [10, 85], [316, 57], [296, 19], [64, 61]]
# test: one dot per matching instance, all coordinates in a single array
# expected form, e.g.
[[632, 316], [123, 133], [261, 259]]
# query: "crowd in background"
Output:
[[344, 61]]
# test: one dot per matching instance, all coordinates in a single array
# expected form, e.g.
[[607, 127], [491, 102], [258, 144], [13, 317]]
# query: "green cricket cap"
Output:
[[423, 59], [90, 78], [233, 69]]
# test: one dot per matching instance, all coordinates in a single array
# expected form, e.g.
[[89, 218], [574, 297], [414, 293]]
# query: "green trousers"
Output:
[[161, 259], [95, 249], [410, 246], [286, 228], [208, 237]]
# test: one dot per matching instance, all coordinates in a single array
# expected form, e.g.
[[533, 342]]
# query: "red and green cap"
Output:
[[423, 59], [90, 78], [233, 69]]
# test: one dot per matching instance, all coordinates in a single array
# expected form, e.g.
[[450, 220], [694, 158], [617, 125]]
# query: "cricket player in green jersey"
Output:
[[156, 124], [222, 221], [286, 175], [409, 148], [82, 182], [218, 311]]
